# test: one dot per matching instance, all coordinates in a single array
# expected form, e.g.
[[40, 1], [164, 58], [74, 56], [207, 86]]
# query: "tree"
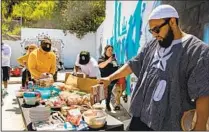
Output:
[[79, 17], [24, 14]]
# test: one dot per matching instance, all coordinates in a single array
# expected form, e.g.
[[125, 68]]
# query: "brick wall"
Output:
[[193, 15]]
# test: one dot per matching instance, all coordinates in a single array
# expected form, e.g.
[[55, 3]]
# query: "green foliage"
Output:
[[79, 17]]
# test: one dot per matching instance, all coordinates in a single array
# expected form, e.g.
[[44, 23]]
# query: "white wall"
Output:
[[72, 45], [99, 41]]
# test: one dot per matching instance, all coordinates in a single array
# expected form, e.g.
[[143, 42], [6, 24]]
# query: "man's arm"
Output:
[[124, 71], [32, 66], [202, 110]]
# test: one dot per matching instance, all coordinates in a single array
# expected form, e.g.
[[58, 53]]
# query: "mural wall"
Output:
[[206, 34], [72, 45], [126, 29]]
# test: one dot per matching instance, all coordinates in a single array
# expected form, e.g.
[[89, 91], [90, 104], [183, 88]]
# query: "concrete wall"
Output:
[[193, 17], [72, 45]]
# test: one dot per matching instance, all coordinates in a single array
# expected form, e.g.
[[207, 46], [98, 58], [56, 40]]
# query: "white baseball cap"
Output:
[[163, 11]]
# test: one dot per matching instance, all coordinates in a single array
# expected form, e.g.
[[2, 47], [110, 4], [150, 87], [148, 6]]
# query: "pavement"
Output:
[[11, 114]]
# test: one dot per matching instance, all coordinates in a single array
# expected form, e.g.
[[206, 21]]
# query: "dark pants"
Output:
[[25, 74], [109, 93], [137, 125], [6, 73], [55, 76]]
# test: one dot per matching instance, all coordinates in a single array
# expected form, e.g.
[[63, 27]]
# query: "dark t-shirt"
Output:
[[110, 68]]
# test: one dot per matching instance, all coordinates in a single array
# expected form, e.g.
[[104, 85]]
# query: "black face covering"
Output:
[[166, 42], [46, 47]]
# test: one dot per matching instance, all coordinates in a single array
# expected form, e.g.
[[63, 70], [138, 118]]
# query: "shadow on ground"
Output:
[[15, 109]]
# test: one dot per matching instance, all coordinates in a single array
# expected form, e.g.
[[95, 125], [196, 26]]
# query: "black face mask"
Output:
[[166, 42], [46, 47]]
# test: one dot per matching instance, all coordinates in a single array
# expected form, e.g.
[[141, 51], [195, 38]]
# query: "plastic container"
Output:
[[95, 118], [30, 98], [45, 92]]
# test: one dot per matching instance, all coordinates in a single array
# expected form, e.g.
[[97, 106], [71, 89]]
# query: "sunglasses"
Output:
[[157, 28], [46, 43]]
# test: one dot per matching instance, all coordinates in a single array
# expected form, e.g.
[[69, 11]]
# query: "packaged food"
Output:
[[74, 116], [97, 94]]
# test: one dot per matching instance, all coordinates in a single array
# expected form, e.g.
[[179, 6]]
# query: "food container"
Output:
[[95, 118], [46, 82], [30, 98], [45, 92], [19, 94], [98, 106]]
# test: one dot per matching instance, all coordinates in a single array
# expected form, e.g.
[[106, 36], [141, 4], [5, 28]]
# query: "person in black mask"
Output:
[[46, 45], [108, 65], [42, 62]]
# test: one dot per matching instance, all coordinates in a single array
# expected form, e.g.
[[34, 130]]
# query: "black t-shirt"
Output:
[[109, 69]]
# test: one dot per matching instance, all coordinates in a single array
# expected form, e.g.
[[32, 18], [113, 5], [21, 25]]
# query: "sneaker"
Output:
[[117, 107], [108, 107], [4, 92], [125, 98]]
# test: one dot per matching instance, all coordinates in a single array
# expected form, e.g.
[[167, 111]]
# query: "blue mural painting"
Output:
[[206, 34], [126, 35]]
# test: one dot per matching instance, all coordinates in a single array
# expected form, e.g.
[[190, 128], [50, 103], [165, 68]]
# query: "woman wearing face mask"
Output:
[[108, 65], [23, 61], [42, 62]]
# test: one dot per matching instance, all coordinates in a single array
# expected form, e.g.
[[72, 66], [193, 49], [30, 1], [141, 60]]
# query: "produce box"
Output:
[[83, 84], [89, 86]]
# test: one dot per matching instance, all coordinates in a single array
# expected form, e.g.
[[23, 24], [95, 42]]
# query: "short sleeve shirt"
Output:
[[91, 69], [168, 79]]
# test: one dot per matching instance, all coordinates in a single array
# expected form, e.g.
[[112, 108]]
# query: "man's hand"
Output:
[[45, 75], [106, 81], [202, 110]]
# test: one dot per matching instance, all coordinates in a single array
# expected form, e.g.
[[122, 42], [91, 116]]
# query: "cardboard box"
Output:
[[84, 84], [88, 85]]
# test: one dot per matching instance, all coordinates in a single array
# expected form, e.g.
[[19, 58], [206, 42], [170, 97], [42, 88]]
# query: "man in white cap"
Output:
[[173, 76]]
